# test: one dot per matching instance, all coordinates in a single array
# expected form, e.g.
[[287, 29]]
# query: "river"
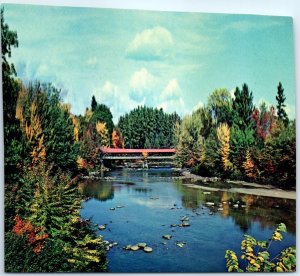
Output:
[[151, 201]]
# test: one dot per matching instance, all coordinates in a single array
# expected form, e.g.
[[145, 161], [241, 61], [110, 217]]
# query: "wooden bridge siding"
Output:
[[139, 157]]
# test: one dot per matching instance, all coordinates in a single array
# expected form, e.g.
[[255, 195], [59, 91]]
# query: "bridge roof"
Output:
[[117, 151]]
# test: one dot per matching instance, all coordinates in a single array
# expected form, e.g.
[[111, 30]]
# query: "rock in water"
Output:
[[167, 237], [127, 247], [134, 248], [148, 249], [142, 244], [112, 209], [209, 203], [119, 206], [102, 227], [185, 224]]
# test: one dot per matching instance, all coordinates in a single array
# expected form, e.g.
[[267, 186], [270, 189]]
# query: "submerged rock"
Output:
[[112, 209], [167, 237], [127, 247], [180, 244], [185, 224], [119, 206], [173, 225], [148, 249], [102, 227]]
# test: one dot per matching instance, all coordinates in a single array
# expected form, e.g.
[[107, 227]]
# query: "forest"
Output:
[[47, 149]]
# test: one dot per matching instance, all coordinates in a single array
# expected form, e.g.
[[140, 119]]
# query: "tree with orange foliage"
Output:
[[249, 166], [117, 139], [35, 236]]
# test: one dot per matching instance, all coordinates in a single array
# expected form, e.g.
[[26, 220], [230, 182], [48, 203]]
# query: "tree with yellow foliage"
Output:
[[35, 136], [103, 133], [223, 134]]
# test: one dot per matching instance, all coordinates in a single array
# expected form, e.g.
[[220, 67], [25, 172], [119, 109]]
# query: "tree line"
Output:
[[231, 138]]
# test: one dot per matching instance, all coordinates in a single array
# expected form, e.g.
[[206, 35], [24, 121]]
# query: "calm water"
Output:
[[153, 201]]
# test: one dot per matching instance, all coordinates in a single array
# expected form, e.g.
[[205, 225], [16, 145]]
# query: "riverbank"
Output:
[[200, 182]]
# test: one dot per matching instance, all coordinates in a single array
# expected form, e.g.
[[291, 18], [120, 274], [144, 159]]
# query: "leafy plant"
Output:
[[257, 258]]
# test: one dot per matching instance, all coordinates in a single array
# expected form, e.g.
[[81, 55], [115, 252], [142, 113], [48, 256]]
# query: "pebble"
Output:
[[112, 209], [148, 249], [119, 206], [134, 248], [142, 244], [102, 227], [185, 224], [181, 244], [167, 237]]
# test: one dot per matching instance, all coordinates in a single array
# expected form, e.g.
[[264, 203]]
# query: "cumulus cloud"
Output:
[[171, 99], [151, 44], [118, 102], [290, 110], [141, 85], [171, 91], [198, 105]]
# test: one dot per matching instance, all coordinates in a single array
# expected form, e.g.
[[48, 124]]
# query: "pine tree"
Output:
[[243, 107], [94, 103], [281, 114]]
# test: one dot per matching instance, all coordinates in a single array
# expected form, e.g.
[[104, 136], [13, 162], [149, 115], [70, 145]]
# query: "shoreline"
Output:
[[248, 187]]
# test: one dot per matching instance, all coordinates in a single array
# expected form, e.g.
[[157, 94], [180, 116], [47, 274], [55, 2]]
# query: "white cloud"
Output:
[[151, 44], [118, 102], [198, 105], [290, 110], [141, 85], [171, 100], [174, 105], [171, 91]]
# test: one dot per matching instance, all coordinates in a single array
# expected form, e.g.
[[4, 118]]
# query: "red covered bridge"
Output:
[[123, 154]]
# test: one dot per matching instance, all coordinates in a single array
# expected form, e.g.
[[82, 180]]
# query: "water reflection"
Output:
[[102, 191], [251, 208]]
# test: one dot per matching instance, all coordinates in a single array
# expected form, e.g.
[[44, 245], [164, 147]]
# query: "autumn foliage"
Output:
[[35, 236], [223, 133]]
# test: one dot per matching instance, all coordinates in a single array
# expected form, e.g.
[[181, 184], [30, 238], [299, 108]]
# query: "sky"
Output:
[[172, 60]]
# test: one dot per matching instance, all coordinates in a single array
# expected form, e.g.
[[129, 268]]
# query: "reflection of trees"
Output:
[[267, 211], [142, 190], [99, 190]]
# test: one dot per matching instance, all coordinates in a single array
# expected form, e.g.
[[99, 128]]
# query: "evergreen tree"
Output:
[[281, 114], [243, 107], [94, 103]]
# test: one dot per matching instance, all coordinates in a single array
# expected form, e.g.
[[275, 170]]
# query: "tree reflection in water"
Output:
[[268, 211]]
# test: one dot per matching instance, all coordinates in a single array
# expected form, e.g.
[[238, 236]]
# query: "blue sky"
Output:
[[172, 60]]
